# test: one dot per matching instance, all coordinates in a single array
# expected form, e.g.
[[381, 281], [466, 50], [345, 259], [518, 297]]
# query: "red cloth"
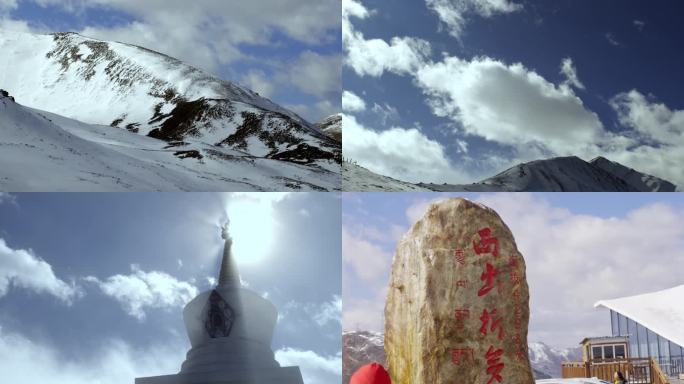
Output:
[[372, 373]]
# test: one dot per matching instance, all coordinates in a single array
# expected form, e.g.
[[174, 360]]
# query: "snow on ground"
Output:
[[662, 311], [41, 151], [572, 381], [357, 178]]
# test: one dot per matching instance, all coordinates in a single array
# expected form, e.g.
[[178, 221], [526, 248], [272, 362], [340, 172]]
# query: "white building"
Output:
[[654, 325]]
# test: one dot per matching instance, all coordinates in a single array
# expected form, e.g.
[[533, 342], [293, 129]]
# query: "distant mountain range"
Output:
[[560, 174], [362, 347], [220, 136]]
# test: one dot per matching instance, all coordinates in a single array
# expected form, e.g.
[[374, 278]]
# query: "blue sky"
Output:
[[100, 279], [457, 108], [292, 60], [579, 248]]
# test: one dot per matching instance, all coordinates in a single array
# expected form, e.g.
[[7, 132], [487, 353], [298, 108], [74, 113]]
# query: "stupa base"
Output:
[[281, 375]]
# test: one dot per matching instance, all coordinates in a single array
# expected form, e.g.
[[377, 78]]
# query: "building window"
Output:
[[653, 344], [608, 352], [620, 352], [614, 325], [597, 353]]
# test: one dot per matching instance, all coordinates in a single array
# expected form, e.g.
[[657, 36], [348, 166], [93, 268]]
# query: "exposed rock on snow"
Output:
[[144, 92], [332, 126], [458, 300], [41, 151]]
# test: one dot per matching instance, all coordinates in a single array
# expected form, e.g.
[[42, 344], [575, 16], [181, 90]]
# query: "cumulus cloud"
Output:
[[454, 13], [315, 368], [406, 154], [620, 256], [329, 311], [189, 33], [373, 57], [141, 290], [115, 363], [259, 82], [352, 102], [316, 74], [661, 133], [510, 104], [20, 268], [570, 72]]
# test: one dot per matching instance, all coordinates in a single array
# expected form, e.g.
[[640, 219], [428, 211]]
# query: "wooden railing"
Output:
[[637, 371]]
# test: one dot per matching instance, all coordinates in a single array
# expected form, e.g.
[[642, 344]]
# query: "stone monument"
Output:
[[457, 308], [230, 330]]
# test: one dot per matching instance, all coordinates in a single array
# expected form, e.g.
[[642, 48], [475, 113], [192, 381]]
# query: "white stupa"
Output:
[[230, 330]]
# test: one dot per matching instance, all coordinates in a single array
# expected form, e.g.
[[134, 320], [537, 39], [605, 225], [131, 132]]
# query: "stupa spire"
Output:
[[228, 274]]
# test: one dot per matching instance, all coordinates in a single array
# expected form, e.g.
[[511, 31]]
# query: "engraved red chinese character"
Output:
[[462, 284], [513, 261], [515, 278], [491, 317], [494, 364], [461, 316], [487, 244], [460, 256], [458, 355], [488, 276]]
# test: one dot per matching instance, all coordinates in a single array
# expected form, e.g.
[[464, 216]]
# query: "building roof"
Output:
[[662, 312]]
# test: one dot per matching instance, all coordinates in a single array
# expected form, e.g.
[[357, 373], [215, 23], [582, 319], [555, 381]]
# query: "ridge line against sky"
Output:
[[118, 304], [622, 247], [290, 54], [459, 90]]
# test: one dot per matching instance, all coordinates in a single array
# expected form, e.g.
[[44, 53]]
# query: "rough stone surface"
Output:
[[438, 301]]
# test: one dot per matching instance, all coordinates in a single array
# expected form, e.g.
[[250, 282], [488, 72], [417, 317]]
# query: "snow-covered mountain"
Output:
[[150, 94], [331, 126], [547, 360], [560, 174], [641, 181], [362, 347], [42, 151]]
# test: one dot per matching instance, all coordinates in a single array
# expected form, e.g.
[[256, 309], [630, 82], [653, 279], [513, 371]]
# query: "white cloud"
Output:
[[375, 56], [574, 260], [258, 81], [116, 362], [612, 40], [352, 102], [20, 268], [318, 75], [7, 198], [315, 368], [405, 154], [209, 33], [568, 69], [511, 105], [329, 312], [639, 24], [454, 13], [7, 5], [385, 112], [141, 290], [660, 130]]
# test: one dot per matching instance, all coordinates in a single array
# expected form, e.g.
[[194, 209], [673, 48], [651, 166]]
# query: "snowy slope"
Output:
[[641, 181], [662, 311], [41, 151], [133, 88], [357, 178], [560, 174], [331, 126]]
